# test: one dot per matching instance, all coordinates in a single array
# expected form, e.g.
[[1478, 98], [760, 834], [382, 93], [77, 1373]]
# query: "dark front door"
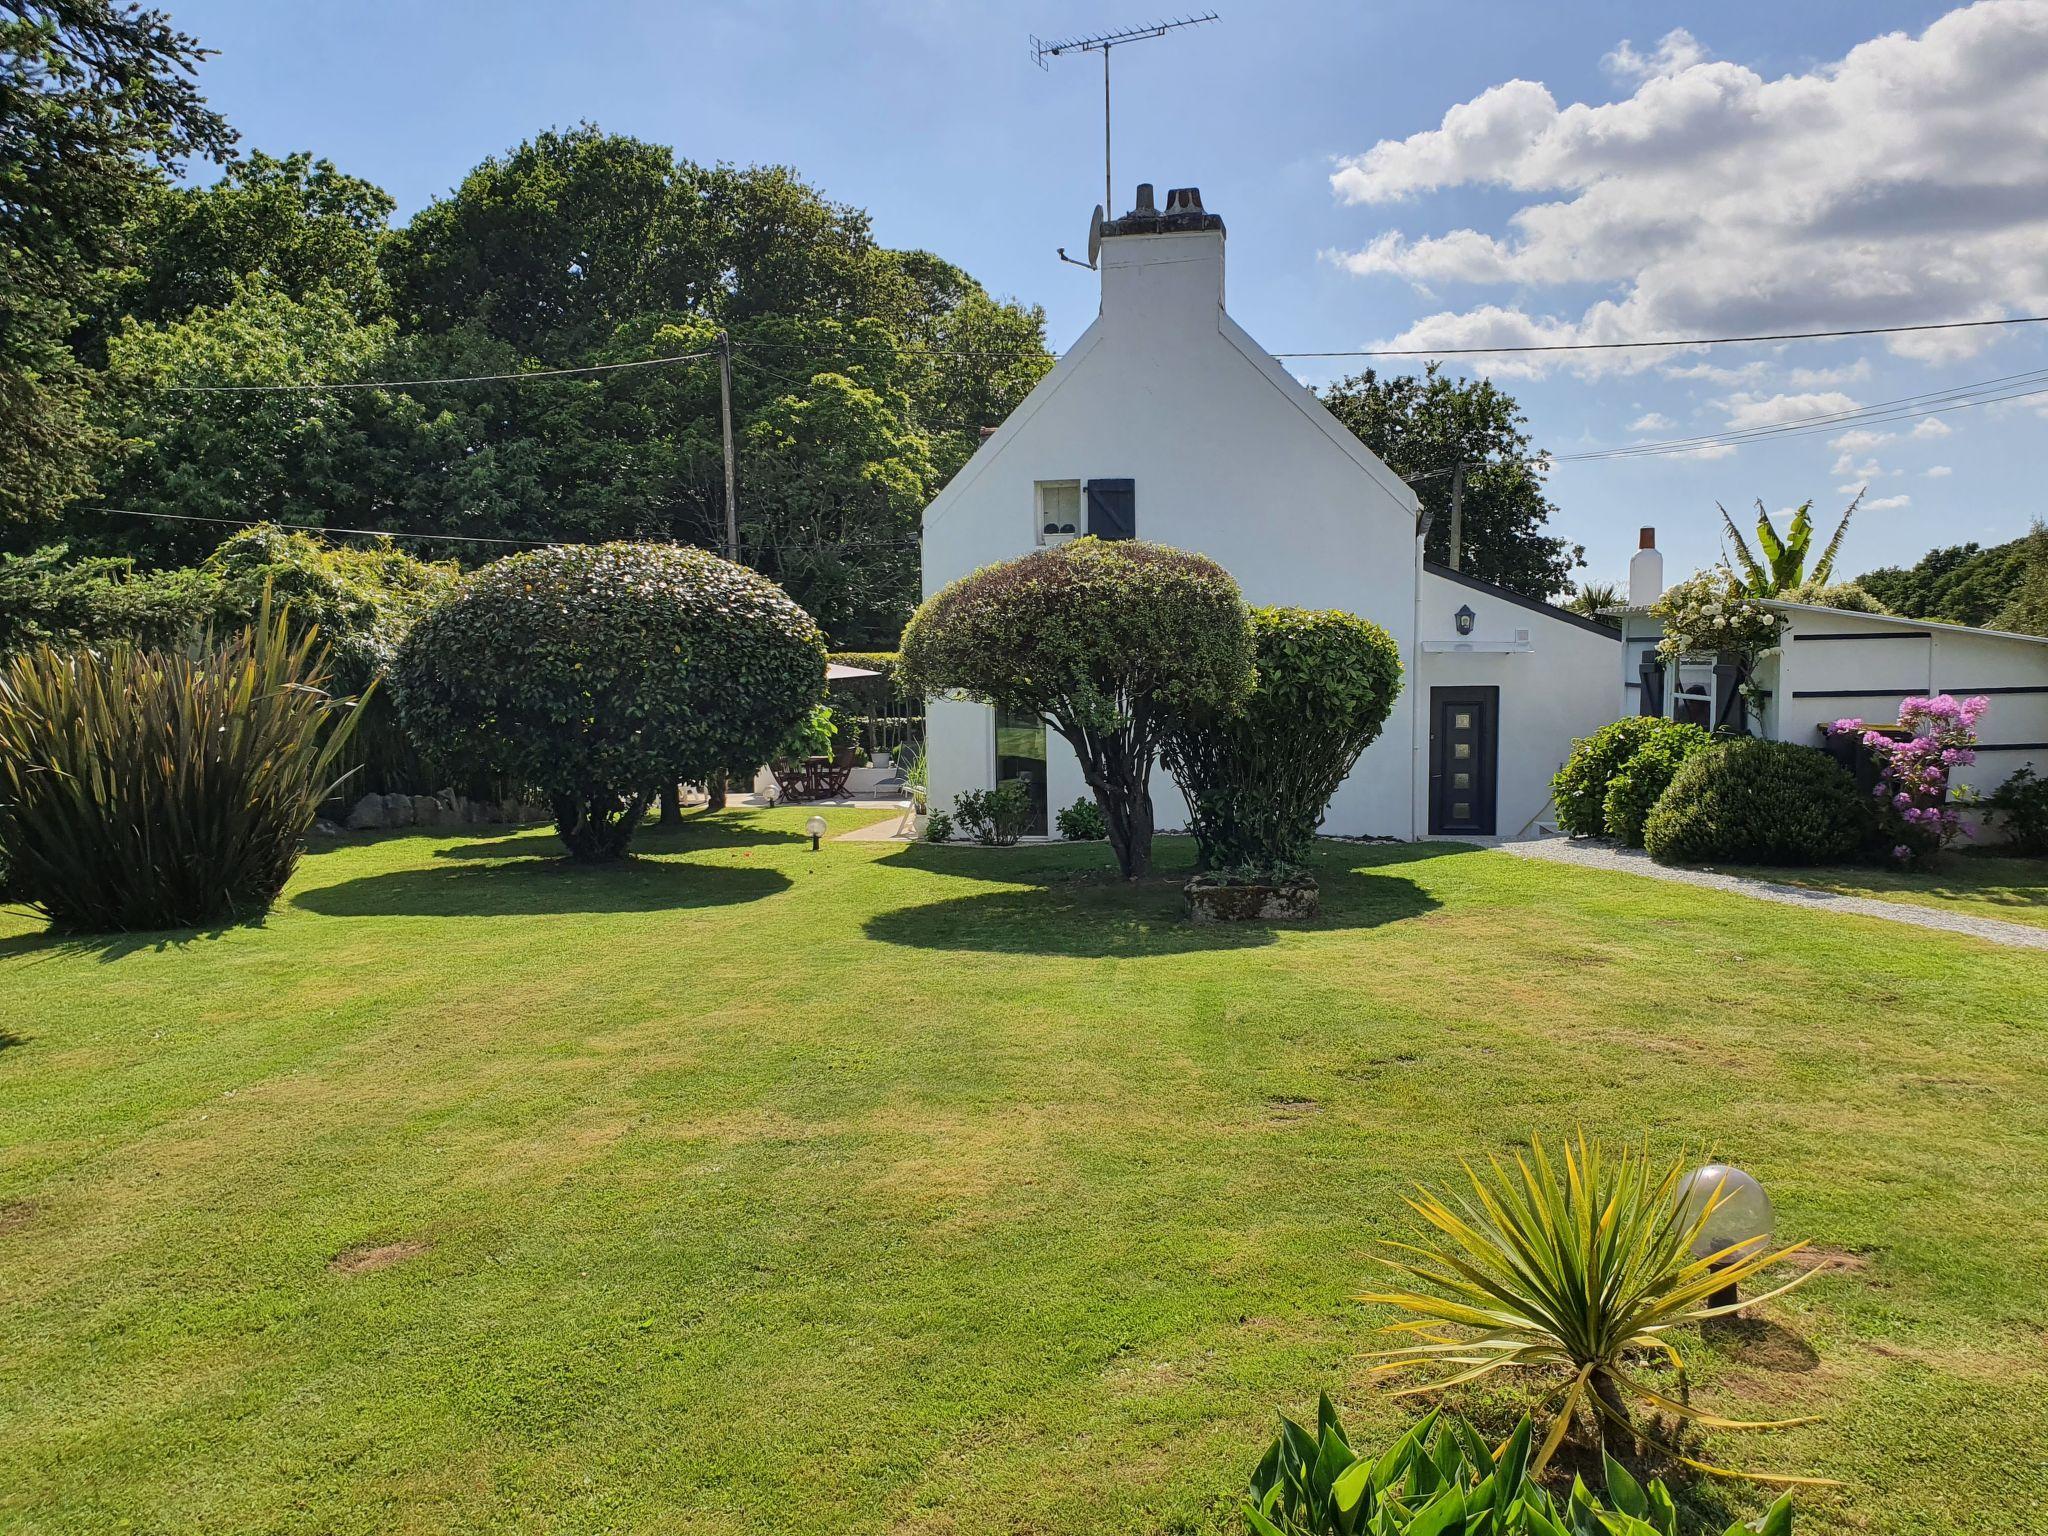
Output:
[[1464, 738]]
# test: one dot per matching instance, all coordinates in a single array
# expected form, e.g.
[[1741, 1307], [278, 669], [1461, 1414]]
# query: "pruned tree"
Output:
[[1108, 643], [1258, 778], [599, 673]]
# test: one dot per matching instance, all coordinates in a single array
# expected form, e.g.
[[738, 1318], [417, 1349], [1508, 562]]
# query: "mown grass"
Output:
[[901, 1189], [1981, 882]]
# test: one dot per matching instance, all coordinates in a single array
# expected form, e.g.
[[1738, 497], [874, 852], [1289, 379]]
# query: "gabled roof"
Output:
[[1520, 600]]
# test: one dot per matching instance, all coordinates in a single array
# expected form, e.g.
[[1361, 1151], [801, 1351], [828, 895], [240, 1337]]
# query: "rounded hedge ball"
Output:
[[609, 669]]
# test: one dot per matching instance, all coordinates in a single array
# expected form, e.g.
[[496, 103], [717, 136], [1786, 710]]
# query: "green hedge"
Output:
[[1759, 802], [1642, 780], [1580, 786]]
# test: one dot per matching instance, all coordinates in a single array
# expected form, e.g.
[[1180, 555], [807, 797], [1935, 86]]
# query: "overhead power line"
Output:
[[472, 378]]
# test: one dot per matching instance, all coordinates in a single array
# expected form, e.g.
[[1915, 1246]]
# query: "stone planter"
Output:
[[1215, 899]]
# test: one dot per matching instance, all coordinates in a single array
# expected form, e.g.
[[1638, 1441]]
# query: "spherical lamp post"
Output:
[[1740, 1218], [816, 827]]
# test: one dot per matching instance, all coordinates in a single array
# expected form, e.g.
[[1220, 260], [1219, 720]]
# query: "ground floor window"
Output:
[[1692, 693], [1020, 756]]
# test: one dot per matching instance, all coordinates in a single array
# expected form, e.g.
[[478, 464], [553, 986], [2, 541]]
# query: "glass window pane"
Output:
[[1461, 721], [1461, 810], [1461, 749], [1020, 756], [1461, 781]]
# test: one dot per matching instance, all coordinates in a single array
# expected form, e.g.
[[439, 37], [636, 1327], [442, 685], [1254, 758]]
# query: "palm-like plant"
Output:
[[1783, 567], [1594, 596], [1586, 1267]]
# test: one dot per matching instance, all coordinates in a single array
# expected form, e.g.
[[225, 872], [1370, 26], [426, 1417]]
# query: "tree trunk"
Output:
[[714, 793], [671, 805], [1125, 800], [597, 829]]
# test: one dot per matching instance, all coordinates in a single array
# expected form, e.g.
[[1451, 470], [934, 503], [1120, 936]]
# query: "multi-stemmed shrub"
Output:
[[1746, 801], [1579, 1272], [1107, 642], [1440, 1477], [1915, 816], [144, 788], [2021, 804], [1580, 787], [1641, 781], [599, 673], [1258, 777]]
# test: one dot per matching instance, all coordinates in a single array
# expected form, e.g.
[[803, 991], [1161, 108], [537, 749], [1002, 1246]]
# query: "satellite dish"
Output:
[[1095, 236]]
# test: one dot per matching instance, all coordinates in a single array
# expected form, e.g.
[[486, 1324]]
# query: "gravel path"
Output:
[[1633, 861]]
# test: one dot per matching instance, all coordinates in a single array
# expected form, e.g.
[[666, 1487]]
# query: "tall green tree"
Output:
[[97, 103], [1960, 583], [2026, 612], [1423, 426]]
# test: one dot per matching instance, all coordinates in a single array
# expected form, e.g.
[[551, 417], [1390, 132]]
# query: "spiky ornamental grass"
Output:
[[1585, 1268], [165, 788]]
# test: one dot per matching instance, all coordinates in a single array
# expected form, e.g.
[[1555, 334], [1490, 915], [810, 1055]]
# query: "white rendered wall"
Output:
[[1230, 458]]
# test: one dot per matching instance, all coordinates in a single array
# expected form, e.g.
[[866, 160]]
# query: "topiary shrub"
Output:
[[1745, 801], [1645, 776], [1082, 822], [1258, 779], [144, 789], [1580, 787], [598, 673], [1106, 641]]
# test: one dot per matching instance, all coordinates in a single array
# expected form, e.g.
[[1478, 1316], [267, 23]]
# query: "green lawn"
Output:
[[1983, 883], [927, 1190]]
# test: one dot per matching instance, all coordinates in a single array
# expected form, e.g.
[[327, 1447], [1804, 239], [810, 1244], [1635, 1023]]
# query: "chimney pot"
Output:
[[1647, 539], [1145, 204]]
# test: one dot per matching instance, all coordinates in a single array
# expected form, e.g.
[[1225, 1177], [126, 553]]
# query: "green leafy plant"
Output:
[[1782, 569], [2021, 802], [1258, 776], [1712, 614], [1107, 641], [599, 672], [1082, 822], [1440, 1479], [1577, 1270], [1746, 801], [811, 736], [146, 789], [1580, 787], [938, 828], [995, 818], [1641, 781]]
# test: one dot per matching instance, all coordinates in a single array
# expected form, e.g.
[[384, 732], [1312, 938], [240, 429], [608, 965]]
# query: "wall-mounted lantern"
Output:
[[1463, 618]]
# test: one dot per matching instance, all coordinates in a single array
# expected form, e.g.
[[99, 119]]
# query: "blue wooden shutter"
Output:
[[1113, 509]]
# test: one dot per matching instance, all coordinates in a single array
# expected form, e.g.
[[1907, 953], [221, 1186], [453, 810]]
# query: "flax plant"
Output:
[[160, 788], [1583, 1267]]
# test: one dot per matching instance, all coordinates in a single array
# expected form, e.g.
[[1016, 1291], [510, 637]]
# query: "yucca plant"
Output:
[[1440, 1477], [1583, 1269], [144, 788]]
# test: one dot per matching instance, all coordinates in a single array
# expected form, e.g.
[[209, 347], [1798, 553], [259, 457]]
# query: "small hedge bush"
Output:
[[1082, 822], [995, 818], [1580, 786], [1758, 802], [2021, 803], [1644, 777]]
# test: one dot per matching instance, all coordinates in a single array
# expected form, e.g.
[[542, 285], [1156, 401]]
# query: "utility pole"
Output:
[[1457, 513], [1102, 42], [732, 506]]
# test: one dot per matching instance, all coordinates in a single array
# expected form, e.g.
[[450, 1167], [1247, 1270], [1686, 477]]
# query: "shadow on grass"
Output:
[[9, 1039], [541, 887], [699, 831], [1089, 913], [51, 943]]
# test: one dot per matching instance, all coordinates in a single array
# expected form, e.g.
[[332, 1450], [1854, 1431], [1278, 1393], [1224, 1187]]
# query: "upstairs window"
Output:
[[1057, 511]]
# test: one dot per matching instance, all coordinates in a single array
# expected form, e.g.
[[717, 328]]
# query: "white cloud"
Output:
[[1905, 182], [1752, 410], [1821, 378], [1704, 451], [1937, 471], [1851, 488], [1869, 469], [1676, 50], [1887, 503], [1652, 421], [1716, 373], [1859, 440], [1932, 427]]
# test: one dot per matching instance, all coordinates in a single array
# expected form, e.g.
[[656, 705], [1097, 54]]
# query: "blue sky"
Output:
[[1736, 167]]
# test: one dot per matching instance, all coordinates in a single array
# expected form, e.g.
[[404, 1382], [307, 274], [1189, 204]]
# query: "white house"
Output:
[[1167, 422], [1831, 663]]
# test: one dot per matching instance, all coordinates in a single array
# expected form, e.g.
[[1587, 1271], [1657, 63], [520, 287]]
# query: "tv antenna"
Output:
[[1101, 42]]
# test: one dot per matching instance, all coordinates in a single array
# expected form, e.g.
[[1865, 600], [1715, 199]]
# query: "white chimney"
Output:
[[1645, 572], [1163, 268]]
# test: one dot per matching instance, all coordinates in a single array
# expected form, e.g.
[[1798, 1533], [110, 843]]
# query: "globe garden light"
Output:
[[816, 827], [1738, 1217]]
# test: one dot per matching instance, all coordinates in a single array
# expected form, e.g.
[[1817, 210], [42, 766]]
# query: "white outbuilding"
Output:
[[1165, 421]]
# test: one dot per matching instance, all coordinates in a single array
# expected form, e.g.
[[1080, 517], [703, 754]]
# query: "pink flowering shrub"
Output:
[[1915, 809]]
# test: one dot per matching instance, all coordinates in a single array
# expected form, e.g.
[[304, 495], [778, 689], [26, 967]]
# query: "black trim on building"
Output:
[[1874, 634], [1534, 605], [2012, 746]]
